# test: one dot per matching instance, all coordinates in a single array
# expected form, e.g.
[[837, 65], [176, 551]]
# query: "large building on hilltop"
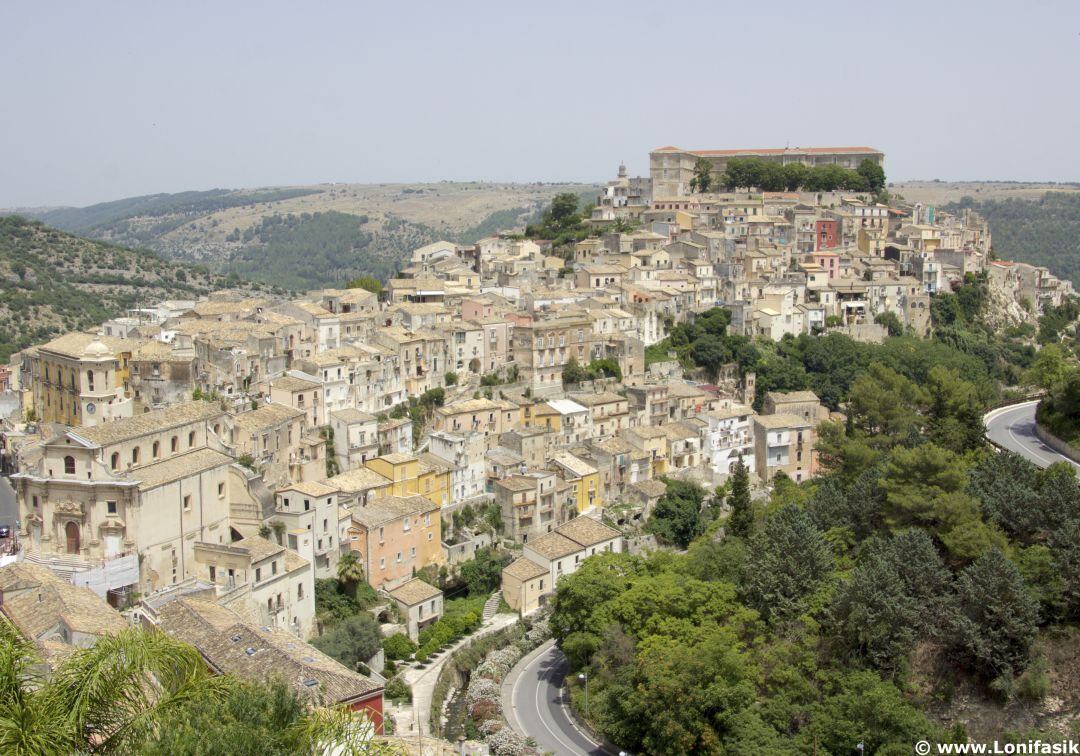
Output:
[[671, 168]]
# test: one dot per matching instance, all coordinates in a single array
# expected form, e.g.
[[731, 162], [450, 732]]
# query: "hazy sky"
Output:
[[103, 100]]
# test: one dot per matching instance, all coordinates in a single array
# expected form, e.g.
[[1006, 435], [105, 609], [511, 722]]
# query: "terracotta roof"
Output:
[[587, 531], [517, 483], [292, 383], [359, 479], [780, 421], [266, 416], [390, 508], [232, 646], [414, 592], [553, 545], [175, 468], [524, 568], [311, 488], [117, 431], [792, 396], [36, 600]]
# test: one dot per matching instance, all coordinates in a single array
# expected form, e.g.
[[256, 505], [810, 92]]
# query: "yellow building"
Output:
[[78, 379], [583, 478], [409, 475]]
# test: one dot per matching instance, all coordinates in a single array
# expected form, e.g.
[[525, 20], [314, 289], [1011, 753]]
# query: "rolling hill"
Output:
[[309, 236], [52, 282]]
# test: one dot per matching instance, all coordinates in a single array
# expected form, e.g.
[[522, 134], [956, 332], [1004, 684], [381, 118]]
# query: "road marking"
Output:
[[540, 714]]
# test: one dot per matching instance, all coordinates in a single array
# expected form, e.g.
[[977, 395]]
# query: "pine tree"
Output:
[[741, 522]]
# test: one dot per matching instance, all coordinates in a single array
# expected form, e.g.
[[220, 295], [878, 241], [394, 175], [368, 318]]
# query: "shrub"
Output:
[[398, 646], [398, 690]]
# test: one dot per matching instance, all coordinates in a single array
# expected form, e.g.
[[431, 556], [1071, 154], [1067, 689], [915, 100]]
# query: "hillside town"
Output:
[[200, 466]]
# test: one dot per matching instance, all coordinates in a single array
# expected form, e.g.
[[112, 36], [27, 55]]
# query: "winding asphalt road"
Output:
[[538, 706], [1014, 428]]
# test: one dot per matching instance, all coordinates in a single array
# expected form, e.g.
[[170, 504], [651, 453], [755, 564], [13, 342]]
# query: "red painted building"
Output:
[[827, 234]]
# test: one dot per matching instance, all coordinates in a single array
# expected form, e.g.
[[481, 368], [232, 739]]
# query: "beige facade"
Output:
[[421, 603], [396, 535], [149, 485], [272, 584]]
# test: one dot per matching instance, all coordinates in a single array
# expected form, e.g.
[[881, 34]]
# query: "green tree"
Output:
[[996, 618], [563, 207], [741, 522], [872, 173], [573, 372], [483, 573], [110, 697], [896, 596], [892, 323], [351, 641], [702, 179], [368, 283], [789, 559], [676, 518], [350, 571], [251, 719], [1049, 368]]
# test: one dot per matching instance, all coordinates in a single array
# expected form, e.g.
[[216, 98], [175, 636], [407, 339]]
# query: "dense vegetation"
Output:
[[1044, 232], [771, 176], [309, 251], [838, 611], [52, 282], [114, 220], [143, 692], [803, 634], [829, 364]]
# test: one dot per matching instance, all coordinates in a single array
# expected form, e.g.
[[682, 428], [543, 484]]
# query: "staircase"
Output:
[[491, 606]]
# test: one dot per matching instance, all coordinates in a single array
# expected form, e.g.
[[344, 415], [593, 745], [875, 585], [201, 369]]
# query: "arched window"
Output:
[[115, 462], [69, 465], [135, 456], [191, 439], [157, 449], [174, 445], [90, 379]]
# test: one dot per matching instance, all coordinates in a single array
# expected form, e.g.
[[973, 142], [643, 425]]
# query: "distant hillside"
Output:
[[302, 237], [52, 282], [1043, 231]]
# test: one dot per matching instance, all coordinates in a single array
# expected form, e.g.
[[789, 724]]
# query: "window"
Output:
[[135, 456], [187, 502], [191, 439], [221, 490], [174, 445], [382, 563], [429, 536], [157, 450], [110, 507], [399, 557], [412, 552], [405, 525], [273, 567], [213, 574], [258, 574], [114, 462], [34, 500], [299, 591], [69, 465], [381, 540]]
